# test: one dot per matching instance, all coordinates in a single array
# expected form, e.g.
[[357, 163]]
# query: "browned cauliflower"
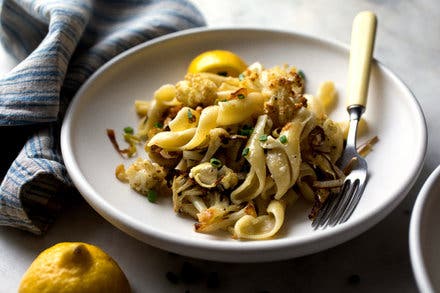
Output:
[[285, 88], [144, 175], [282, 80], [196, 90]]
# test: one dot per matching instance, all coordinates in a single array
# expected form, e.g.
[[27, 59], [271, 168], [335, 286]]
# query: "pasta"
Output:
[[235, 152]]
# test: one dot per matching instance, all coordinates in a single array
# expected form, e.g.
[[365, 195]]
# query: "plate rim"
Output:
[[343, 232]]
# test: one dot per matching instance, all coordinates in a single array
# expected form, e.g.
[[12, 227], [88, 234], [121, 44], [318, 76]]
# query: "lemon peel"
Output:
[[220, 62]]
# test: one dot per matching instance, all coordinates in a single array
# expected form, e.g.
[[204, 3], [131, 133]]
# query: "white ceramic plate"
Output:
[[424, 235], [106, 101]]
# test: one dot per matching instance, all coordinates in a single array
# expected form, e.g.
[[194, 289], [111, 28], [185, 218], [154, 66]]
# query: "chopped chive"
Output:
[[283, 139], [158, 125], [246, 130], [152, 196], [129, 130], [222, 101], [222, 73], [245, 152], [301, 74], [191, 117], [263, 137], [240, 96], [241, 77], [215, 162]]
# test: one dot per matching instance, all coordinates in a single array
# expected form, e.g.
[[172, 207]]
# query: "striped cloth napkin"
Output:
[[59, 44]]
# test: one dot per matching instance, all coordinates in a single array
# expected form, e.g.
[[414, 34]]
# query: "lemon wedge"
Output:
[[220, 62]]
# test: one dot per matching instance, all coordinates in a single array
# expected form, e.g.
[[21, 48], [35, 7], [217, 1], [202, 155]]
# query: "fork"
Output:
[[337, 209]]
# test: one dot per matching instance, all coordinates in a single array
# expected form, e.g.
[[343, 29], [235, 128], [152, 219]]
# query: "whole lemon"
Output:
[[74, 267], [221, 62]]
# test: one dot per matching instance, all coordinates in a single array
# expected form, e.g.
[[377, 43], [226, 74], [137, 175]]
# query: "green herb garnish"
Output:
[[158, 125], [151, 196], [215, 163], [283, 139], [191, 117], [245, 152], [246, 130], [220, 101], [129, 130], [240, 96], [301, 74], [263, 137]]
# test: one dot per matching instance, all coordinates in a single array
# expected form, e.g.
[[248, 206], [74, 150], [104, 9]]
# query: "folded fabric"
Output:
[[59, 45]]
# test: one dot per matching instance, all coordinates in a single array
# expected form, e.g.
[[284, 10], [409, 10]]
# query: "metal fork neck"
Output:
[[355, 112]]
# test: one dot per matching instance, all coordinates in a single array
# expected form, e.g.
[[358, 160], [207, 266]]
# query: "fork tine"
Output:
[[353, 203], [317, 221], [347, 199], [323, 213], [335, 204], [330, 205]]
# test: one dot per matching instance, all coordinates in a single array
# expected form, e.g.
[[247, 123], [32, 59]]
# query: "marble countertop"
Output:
[[377, 261]]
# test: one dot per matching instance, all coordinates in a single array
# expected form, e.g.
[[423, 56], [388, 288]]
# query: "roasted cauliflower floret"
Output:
[[285, 88], [144, 175], [196, 90], [209, 176], [282, 80]]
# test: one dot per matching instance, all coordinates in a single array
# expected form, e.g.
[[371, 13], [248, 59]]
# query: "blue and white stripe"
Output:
[[59, 44]]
